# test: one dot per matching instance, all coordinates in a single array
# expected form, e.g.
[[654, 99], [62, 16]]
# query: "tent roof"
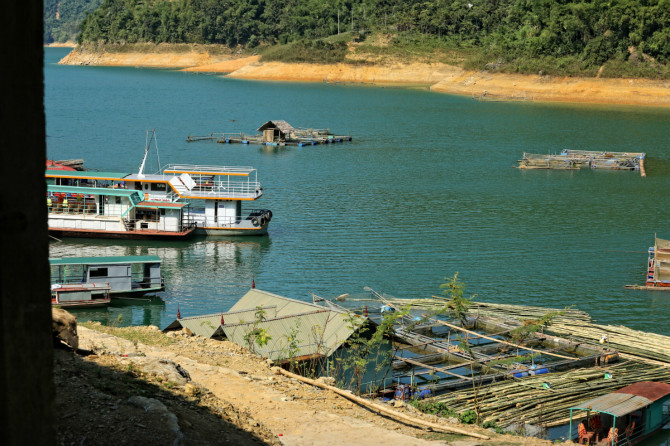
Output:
[[295, 328]]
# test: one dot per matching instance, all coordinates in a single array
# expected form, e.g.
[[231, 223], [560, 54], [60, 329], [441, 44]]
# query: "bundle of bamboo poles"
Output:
[[571, 324], [528, 400], [517, 312]]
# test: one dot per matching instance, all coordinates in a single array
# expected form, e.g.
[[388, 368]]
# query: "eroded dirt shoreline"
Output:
[[437, 77], [128, 392]]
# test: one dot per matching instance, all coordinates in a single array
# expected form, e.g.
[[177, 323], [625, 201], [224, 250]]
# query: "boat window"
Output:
[[118, 200], [158, 187], [147, 215], [98, 272]]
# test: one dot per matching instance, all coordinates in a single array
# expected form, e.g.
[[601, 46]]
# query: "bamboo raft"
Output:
[[573, 324], [531, 400], [545, 399], [578, 159]]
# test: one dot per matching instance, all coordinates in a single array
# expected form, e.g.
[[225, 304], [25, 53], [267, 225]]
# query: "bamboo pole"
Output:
[[544, 352], [379, 408]]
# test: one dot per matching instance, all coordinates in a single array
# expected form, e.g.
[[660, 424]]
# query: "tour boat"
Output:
[[182, 199], [129, 276], [80, 295]]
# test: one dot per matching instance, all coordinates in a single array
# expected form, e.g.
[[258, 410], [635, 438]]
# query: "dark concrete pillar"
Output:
[[26, 355]]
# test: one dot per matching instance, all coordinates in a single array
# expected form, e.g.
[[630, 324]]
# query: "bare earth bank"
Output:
[[191, 390], [438, 77]]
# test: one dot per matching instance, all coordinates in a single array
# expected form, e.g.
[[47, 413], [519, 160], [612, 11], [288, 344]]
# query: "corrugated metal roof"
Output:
[[616, 404], [109, 260], [316, 330], [648, 389], [285, 306], [207, 325], [319, 332]]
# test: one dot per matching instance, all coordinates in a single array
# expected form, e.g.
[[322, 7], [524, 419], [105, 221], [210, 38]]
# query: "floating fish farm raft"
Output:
[[514, 362], [276, 133], [579, 159]]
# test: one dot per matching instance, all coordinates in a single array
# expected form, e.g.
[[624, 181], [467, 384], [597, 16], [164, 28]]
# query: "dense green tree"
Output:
[[589, 31]]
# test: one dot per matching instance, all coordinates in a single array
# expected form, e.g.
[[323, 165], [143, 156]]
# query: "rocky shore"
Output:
[[443, 78]]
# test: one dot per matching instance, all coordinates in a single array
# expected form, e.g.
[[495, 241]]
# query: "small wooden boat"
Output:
[[625, 416], [80, 295]]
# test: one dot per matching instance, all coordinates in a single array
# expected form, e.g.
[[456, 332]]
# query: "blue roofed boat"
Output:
[[127, 276]]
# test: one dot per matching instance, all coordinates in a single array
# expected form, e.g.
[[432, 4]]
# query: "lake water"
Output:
[[425, 189]]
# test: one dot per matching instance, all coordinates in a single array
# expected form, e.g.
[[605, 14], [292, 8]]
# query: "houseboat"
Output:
[[625, 416], [81, 211], [205, 200], [80, 295], [128, 276]]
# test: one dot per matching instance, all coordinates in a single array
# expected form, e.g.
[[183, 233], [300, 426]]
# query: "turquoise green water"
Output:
[[425, 189]]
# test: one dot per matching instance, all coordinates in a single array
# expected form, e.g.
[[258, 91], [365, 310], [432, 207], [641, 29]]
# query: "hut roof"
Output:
[[294, 328], [283, 126]]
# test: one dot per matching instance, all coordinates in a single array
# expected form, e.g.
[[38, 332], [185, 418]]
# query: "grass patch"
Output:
[[134, 334], [152, 48], [307, 51]]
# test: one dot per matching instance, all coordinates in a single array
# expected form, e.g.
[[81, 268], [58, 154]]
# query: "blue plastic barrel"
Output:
[[403, 392], [423, 392], [520, 374]]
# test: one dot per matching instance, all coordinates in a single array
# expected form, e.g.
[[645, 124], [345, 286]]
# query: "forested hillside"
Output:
[[62, 18], [580, 35]]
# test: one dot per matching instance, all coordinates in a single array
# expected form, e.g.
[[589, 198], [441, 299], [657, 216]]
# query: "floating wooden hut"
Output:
[[276, 133]]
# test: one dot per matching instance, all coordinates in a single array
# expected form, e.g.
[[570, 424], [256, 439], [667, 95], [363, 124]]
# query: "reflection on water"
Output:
[[125, 312], [203, 275]]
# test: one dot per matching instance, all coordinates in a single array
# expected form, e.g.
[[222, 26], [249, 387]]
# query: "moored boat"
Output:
[[180, 200], [625, 416], [113, 213], [80, 295], [128, 276], [658, 267]]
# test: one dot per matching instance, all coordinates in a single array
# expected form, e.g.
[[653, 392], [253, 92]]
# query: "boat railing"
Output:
[[201, 169], [142, 281], [203, 220], [220, 189]]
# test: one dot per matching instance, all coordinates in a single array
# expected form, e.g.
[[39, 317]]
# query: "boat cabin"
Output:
[[80, 295], [126, 275], [627, 415], [83, 210]]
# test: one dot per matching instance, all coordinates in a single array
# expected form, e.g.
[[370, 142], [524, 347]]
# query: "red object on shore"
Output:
[[52, 165]]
